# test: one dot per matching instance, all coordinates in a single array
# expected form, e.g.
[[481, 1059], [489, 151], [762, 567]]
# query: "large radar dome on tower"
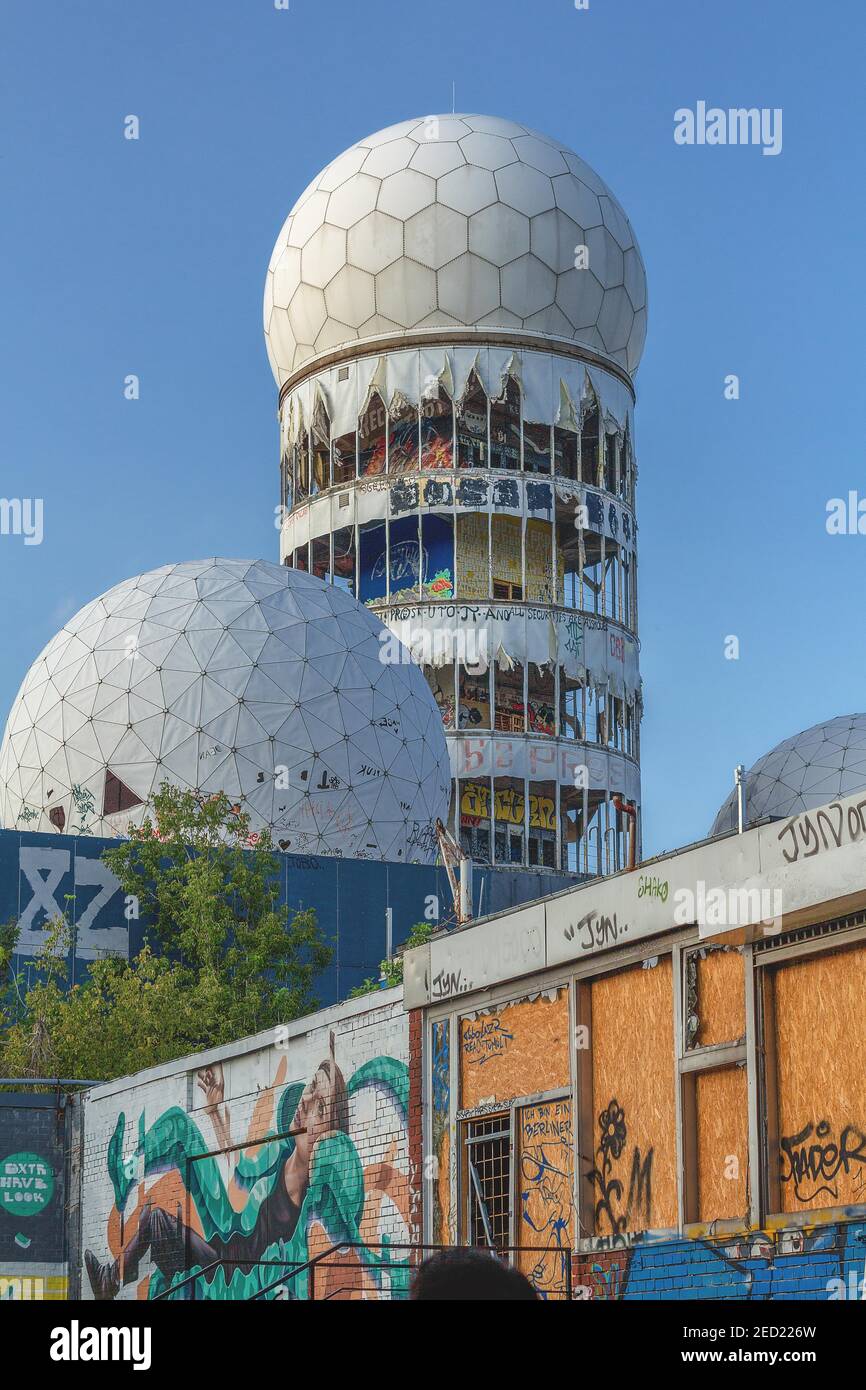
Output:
[[455, 221]]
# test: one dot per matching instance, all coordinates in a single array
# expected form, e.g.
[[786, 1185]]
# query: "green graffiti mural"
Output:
[[243, 1236]]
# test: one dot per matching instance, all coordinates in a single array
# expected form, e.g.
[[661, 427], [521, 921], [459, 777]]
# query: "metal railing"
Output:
[[385, 1270], [390, 1278]]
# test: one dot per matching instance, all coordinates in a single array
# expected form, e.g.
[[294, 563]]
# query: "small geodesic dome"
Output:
[[805, 771]]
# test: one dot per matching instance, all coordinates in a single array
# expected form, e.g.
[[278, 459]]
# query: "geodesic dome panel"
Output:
[[234, 676], [806, 771], [466, 221]]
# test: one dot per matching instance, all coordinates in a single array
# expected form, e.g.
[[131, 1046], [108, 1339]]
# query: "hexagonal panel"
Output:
[[334, 334], [468, 288], [281, 342], [378, 325], [439, 319], [307, 313], [636, 339], [498, 233], [405, 193], [634, 277], [307, 220], [353, 200], [286, 276], [496, 125], [527, 286], [616, 221], [388, 158], [303, 351], [436, 235], [555, 239], [280, 242], [341, 169], [488, 151], [579, 296], [437, 157], [391, 132], [616, 319], [577, 201], [540, 155], [310, 189], [525, 188], [550, 320], [350, 296], [374, 242], [500, 318], [582, 171], [433, 128], [605, 257], [590, 337], [467, 189], [406, 292], [323, 255]]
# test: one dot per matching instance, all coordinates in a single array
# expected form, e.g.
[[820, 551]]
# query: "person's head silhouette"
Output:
[[462, 1274]]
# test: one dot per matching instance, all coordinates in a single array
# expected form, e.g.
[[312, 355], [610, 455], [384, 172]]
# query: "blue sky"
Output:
[[149, 257]]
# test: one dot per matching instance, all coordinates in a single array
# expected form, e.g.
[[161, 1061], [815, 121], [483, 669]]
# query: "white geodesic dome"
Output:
[[454, 221], [235, 676], [803, 772]]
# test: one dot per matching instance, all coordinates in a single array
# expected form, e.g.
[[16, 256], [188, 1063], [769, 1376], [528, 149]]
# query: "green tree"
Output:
[[223, 958]]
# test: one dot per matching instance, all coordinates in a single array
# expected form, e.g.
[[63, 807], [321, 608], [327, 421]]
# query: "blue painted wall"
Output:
[[41, 875]]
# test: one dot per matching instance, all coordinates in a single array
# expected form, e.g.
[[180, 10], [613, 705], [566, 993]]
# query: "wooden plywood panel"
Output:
[[633, 1161], [545, 1194], [821, 1078], [721, 997], [722, 1144], [520, 1049]]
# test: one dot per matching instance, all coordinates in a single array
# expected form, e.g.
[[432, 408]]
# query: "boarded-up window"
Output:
[[717, 1004], [545, 1194], [722, 1125], [632, 1165], [516, 1050], [820, 1070]]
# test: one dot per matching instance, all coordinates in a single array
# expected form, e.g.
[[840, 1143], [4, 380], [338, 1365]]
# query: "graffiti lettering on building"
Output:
[[828, 828], [813, 1167], [485, 1039]]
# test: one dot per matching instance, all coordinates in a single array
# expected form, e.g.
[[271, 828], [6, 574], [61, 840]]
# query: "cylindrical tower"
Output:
[[454, 311]]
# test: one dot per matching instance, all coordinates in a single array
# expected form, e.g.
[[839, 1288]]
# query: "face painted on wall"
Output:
[[321, 1109]]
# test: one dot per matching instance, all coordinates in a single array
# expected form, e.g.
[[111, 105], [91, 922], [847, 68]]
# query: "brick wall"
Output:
[[259, 1155], [823, 1261]]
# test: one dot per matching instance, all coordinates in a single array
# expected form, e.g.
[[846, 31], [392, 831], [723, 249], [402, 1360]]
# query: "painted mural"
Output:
[[244, 1217], [823, 1262], [441, 1129]]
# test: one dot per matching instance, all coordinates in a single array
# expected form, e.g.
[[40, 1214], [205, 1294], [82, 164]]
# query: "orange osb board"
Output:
[[545, 1193], [516, 1050], [633, 1100], [820, 1070], [721, 997], [722, 1144]]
